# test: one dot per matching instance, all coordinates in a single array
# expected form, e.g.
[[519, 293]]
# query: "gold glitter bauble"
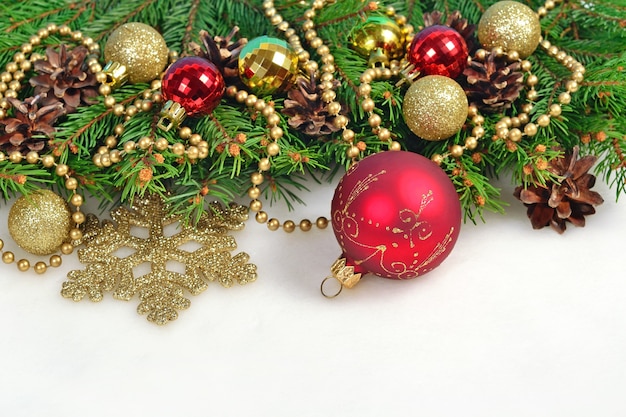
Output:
[[511, 26], [140, 48], [267, 65], [378, 38], [435, 107], [40, 223]]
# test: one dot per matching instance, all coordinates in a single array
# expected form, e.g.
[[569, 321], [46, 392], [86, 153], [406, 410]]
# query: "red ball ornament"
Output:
[[395, 214], [438, 50], [191, 86]]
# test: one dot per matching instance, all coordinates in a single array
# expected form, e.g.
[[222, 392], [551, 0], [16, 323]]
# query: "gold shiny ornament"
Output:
[[134, 51], [268, 65], [511, 26], [40, 223], [435, 107], [380, 39], [161, 291]]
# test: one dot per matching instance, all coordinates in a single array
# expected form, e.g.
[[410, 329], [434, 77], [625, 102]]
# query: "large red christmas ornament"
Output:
[[396, 215], [438, 50], [191, 86]]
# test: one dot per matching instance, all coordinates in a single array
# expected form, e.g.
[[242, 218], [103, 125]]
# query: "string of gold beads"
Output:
[[22, 61]]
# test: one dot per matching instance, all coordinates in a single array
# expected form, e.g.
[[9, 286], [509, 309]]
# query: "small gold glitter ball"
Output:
[[511, 26], [140, 48], [435, 107], [379, 39], [40, 223], [267, 65]]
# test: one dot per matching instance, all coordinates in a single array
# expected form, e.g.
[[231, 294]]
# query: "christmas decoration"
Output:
[[64, 78], [192, 86], [40, 223], [222, 51], [567, 199], [307, 111], [438, 50], [135, 52], [456, 21], [396, 215], [161, 292], [493, 85], [380, 39], [511, 26], [435, 107], [267, 65], [31, 127]]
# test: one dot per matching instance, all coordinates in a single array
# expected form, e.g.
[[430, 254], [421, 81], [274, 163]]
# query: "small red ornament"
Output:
[[438, 50], [395, 214], [192, 86]]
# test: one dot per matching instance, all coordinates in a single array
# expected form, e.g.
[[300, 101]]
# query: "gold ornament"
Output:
[[160, 291], [135, 51], [511, 26], [40, 223], [267, 65], [435, 107], [380, 39]]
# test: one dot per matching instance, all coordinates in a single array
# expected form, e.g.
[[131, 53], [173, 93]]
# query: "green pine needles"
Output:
[[592, 32]]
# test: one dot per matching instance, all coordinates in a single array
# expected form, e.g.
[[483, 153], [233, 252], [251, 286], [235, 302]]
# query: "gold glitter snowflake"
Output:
[[161, 292]]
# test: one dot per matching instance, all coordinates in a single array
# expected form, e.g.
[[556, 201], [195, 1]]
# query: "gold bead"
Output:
[[523, 118], [251, 100], [1, 244], [526, 65], [395, 146], [328, 96], [276, 132], [273, 149], [23, 265], [104, 89], [532, 80], [67, 248], [71, 183], [437, 158], [365, 89], [515, 134], [76, 200], [565, 98], [368, 105], [16, 157], [384, 134], [543, 120], [145, 142], [76, 234], [129, 146], [185, 132], [502, 133], [340, 121], [471, 143], [273, 119], [131, 110], [40, 267], [256, 178], [289, 226], [374, 120], [161, 144], [333, 108], [352, 152], [530, 129], [532, 95], [513, 56], [264, 164], [47, 161], [348, 135], [555, 110], [261, 217], [478, 131], [321, 222], [576, 76], [62, 170], [178, 149], [273, 224], [305, 225], [32, 157], [571, 86], [241, 96], [193, 153], [8, 257], [55, 261], [79, 217], [527, 107], [456, 151], [255, 205]]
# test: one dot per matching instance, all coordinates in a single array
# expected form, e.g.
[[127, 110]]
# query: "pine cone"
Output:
[[570, 200], [493, 85], [63, 77], [223, 52], [31, 127], [458, 23], [306, 110]]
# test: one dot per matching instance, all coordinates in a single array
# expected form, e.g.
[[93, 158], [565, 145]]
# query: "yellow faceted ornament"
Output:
[[267, 65], [435, 107], [380, 39], [511, 26], [40, 223], [135, 52]]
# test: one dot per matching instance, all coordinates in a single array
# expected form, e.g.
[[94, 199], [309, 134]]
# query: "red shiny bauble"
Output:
[[438, 50], [395, 214], [194, 83]]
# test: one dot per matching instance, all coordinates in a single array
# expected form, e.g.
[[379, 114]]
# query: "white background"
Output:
[[515, 322]]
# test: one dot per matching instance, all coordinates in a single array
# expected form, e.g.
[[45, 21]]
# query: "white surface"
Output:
[[516, 322]]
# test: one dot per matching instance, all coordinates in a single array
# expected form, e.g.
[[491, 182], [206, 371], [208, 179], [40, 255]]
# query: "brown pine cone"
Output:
[[31, 127], [456, 22], [307, 111], [63, 77], [493, 85], [571, 200], [223, 52]]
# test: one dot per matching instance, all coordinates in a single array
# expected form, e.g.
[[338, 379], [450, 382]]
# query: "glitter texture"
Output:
[[140, 48], [161, 292], [510, 25], [40, 223], [267, 65], [435, 107]]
